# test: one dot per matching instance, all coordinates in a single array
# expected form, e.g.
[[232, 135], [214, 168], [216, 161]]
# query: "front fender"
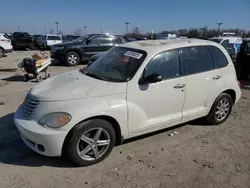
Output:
[[80, 110]]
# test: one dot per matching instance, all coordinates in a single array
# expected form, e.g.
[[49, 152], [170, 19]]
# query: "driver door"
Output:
[[92, 46], [157, 105]]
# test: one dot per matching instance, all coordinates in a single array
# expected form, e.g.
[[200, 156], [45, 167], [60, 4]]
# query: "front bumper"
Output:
[[42, 140], [58, 55]]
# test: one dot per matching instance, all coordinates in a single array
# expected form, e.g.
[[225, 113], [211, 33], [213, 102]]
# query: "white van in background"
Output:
[[232, 44]]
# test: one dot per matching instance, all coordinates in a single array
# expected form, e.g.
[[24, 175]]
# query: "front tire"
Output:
[[91, 142], [72, 59], [221, 109]]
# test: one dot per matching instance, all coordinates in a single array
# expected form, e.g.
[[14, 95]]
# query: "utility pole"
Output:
[[127, 23], [85, 30], [219, 25], [18, 27], [57, 23]]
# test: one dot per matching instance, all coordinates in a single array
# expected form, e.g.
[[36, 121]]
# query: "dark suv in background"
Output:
[[83, 48]]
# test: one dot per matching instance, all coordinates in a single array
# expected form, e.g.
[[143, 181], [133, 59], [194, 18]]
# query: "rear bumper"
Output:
[[8, 50]]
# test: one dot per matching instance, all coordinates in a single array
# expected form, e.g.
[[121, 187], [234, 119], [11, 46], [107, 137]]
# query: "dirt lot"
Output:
[[200, 156]]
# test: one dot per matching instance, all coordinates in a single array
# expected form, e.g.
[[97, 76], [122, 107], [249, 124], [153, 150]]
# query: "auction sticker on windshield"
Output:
[[133, 54]]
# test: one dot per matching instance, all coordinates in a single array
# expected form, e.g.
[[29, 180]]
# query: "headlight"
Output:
[[55, 120]]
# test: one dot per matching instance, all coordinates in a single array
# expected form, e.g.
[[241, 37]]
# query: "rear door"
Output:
[[203, 81]]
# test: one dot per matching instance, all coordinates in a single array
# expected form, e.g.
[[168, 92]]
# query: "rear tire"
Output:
[[1, 52], [221, 109], [72, 59], [85, 148]]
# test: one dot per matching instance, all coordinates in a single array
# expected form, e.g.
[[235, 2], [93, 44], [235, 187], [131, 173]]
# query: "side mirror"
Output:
[[86, 42], [247, 49], [152, 78]]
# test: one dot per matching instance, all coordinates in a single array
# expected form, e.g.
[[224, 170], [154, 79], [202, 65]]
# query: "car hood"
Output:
[[75, 85]]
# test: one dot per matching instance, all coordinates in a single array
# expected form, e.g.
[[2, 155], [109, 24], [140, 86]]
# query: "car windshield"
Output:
[[216, 40], [80, 39], [119, 64]]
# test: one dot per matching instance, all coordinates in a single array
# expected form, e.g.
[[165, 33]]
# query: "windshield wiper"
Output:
[[95, 76]]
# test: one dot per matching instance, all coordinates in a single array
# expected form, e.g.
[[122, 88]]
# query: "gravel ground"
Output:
[[198, 156]]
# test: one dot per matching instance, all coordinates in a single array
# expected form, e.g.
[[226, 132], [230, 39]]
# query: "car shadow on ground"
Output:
[[14, 152], [14, 78]]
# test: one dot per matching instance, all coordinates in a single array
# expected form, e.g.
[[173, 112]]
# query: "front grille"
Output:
[[29, 107]]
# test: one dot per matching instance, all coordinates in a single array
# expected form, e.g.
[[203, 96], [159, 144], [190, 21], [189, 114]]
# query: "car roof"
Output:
[[157, 46], [51, 35], [107, 34]]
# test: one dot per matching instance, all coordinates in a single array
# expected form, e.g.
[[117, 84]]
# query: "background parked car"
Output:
[[22, 40], [84, 47], [242, 64], [5, 44], [46, 41], [95, 57], [35, 38]]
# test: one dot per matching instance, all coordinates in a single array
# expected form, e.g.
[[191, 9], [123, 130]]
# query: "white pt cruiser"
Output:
[[133, 89]]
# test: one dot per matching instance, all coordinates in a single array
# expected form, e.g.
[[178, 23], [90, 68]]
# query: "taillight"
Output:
[[239, 83], [4, 40]]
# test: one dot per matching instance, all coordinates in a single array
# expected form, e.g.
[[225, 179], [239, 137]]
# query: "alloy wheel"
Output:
[[72, 59], [93, 144], [222, 109]]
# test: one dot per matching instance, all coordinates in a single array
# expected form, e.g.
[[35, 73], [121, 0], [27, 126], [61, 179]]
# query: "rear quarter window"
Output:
[[219, 58]]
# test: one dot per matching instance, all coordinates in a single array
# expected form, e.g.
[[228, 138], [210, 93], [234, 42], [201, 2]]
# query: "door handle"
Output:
[[217, 77], [178, 86]]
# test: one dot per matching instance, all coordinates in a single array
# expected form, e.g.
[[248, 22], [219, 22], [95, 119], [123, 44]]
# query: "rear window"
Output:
[[6, 36], [53, 38]]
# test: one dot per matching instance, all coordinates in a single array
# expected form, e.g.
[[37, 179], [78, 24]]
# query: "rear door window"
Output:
[[93, 40], [106, 40], [220, 59], [196, 59]]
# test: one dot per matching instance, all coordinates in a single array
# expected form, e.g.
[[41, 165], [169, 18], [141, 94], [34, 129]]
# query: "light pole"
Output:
[[101, 30], [127, 27], [85, 30], [219, 25], [57, 23], [18, 27]]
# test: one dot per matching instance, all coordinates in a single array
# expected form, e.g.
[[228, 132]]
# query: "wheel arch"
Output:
[[111, 120], [232, 93]]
